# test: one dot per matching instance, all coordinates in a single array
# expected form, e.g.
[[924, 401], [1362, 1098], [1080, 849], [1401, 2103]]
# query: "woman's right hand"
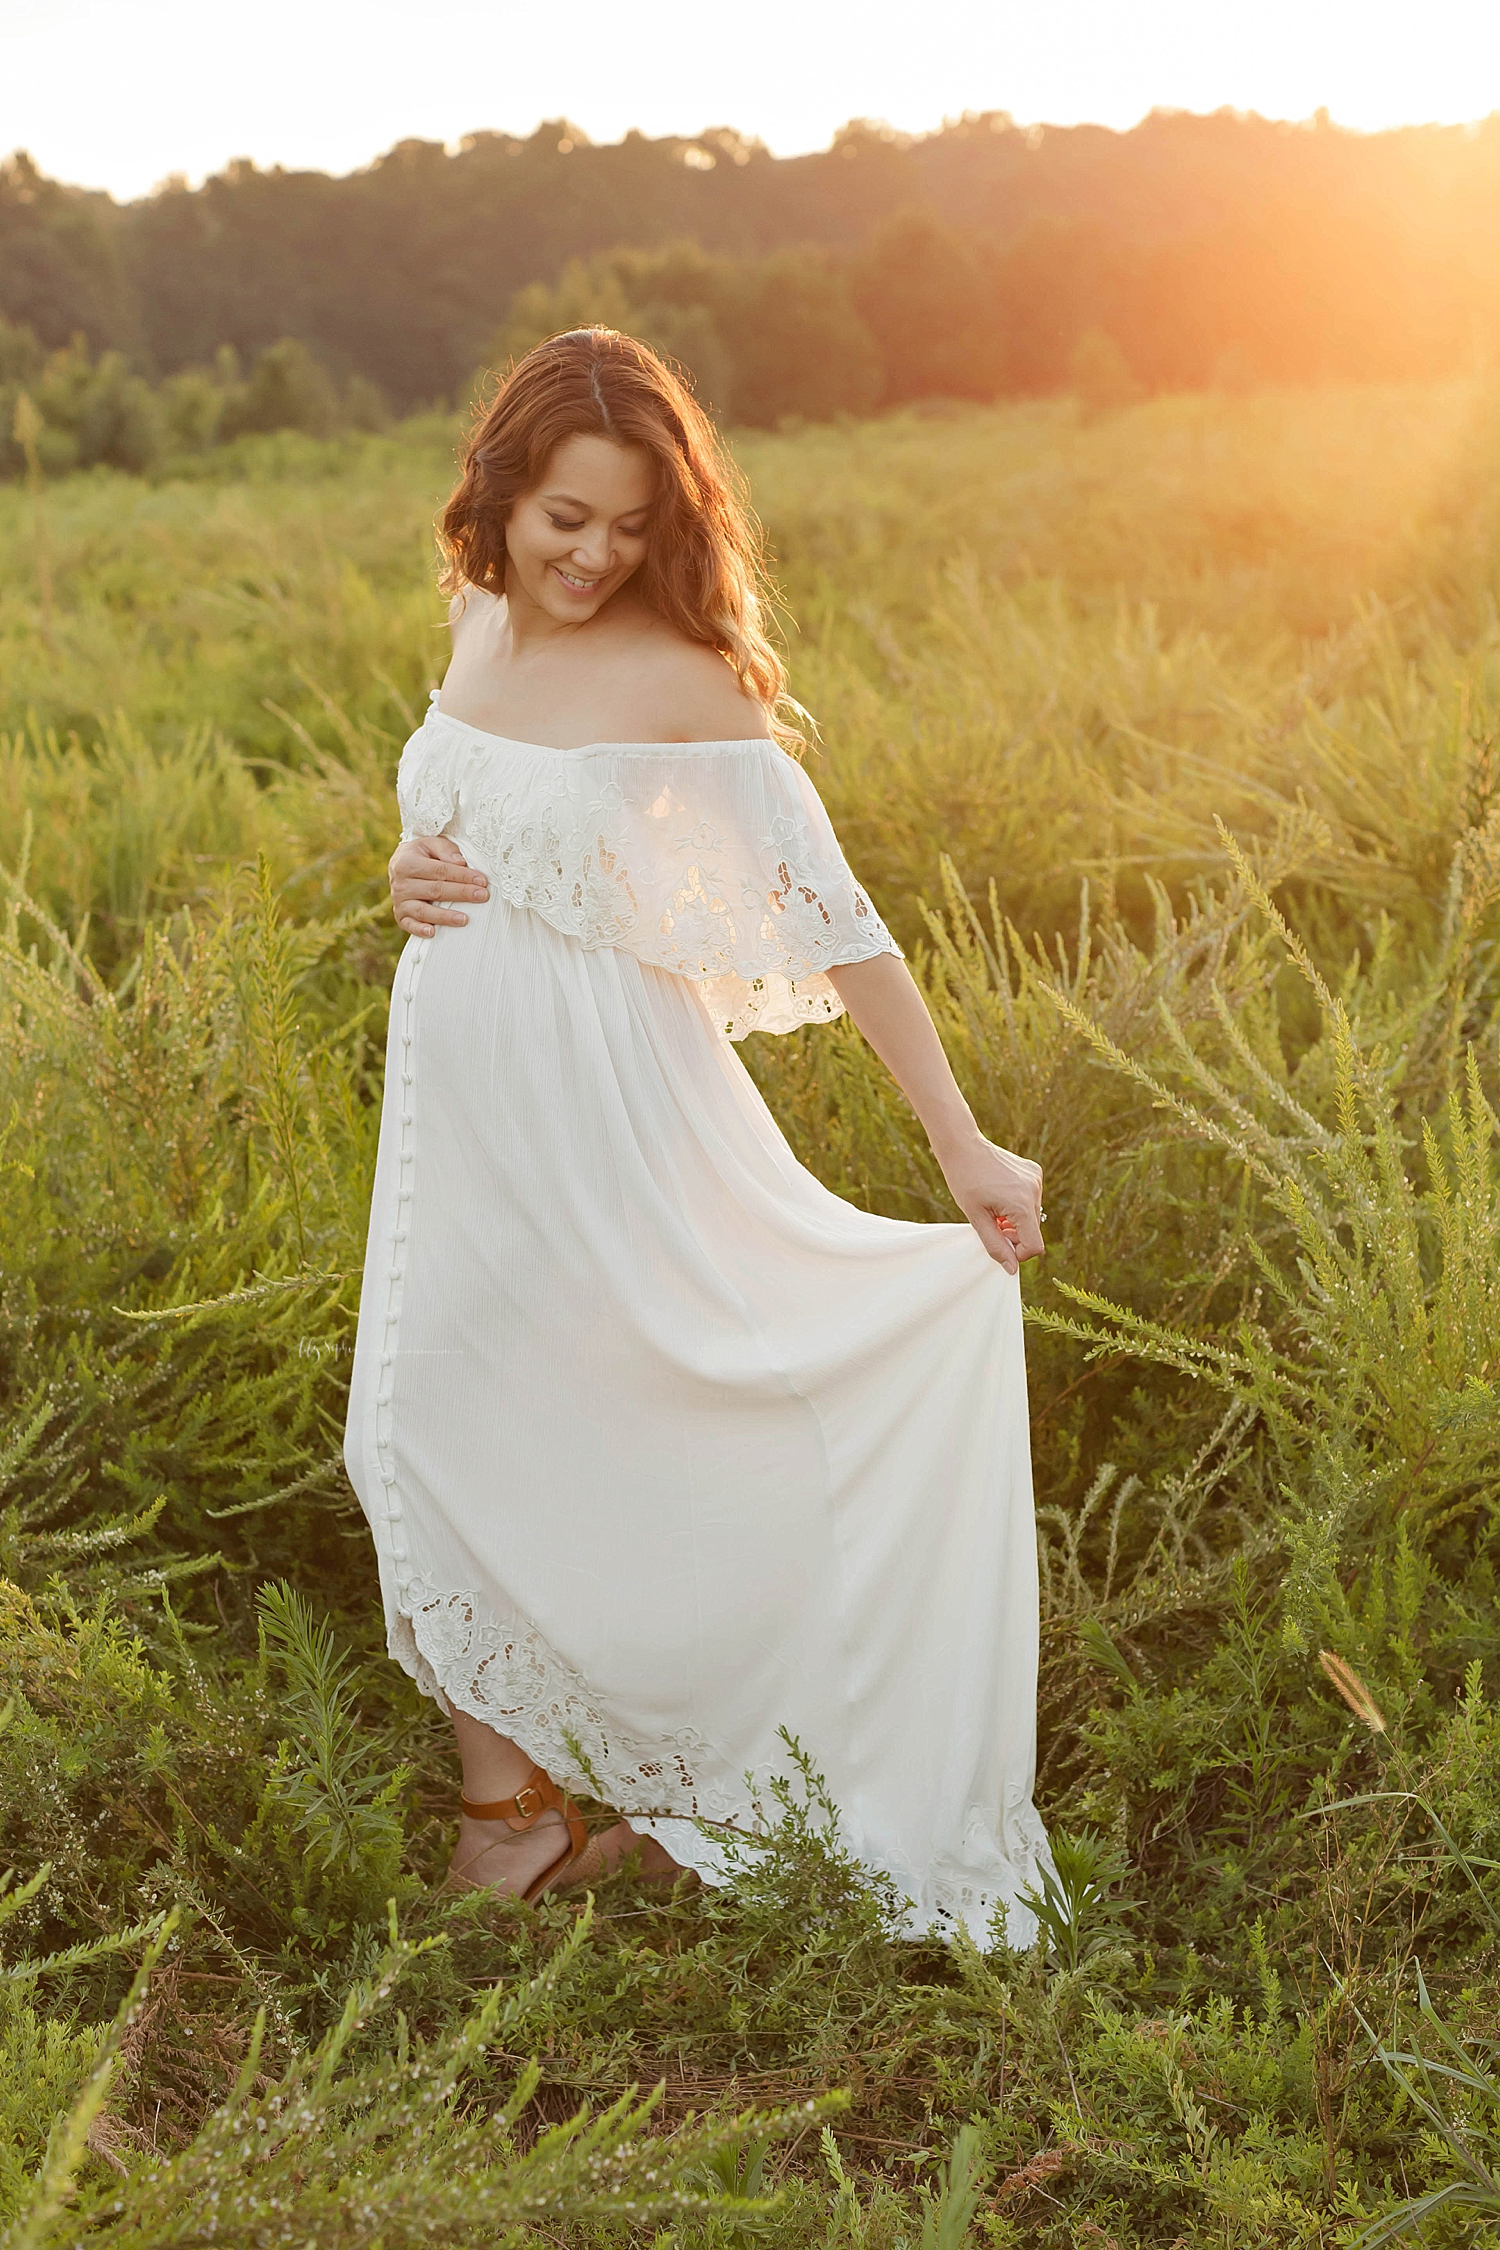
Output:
[[426, 870]]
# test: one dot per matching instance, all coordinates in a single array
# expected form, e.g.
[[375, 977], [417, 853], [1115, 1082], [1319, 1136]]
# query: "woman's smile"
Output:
[[576, 583]]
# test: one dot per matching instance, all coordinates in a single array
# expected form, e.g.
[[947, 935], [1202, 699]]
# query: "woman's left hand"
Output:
[[1000, 1194]]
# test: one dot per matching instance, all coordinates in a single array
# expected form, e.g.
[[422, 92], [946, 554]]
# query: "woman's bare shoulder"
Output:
[[469, 604], [697, 696]]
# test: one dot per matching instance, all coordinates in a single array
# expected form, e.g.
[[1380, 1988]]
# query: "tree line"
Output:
[[982, 261], [68, 409]]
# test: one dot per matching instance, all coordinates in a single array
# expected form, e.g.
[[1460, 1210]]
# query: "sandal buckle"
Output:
[[534, 1809]]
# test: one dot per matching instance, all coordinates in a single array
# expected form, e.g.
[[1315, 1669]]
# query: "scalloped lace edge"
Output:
[[509, 1678]]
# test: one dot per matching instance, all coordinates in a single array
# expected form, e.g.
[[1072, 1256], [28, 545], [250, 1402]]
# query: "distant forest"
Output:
[[979, 261]]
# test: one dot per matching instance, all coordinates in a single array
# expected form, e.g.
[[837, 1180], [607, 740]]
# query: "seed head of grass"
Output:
[[1353, 1690]]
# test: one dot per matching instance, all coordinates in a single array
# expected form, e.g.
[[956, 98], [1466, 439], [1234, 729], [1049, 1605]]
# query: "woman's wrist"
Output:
[[954, 1136]]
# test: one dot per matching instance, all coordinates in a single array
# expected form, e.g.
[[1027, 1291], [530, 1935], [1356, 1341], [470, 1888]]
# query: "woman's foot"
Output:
[[489, 1855], [536, 1833], [654, 1863]]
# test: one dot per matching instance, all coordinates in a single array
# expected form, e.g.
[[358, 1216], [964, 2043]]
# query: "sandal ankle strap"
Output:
[[539, 1793]]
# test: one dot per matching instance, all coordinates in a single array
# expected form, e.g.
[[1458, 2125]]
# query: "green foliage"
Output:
[[388, 2148], [948, 2215], [99, 413], [346, 1814], [1385, 1321], [288, 390], [1078, 1911], [928, 299], [762, 340], [1260, 1066], [1436, 2088], [1222, 250], [976, 263]]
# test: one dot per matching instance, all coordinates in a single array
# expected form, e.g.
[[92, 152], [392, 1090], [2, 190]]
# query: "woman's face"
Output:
[[575, 540]]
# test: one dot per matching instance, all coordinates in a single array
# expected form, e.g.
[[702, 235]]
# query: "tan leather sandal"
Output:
[[581, 1859]]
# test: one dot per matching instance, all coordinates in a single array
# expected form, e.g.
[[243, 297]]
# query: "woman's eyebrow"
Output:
[[567, 500]]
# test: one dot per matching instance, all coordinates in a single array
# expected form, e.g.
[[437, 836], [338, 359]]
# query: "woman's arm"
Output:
[[999, 1194], [423, 872]]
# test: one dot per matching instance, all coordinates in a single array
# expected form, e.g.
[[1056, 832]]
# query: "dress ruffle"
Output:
[[713, 860]]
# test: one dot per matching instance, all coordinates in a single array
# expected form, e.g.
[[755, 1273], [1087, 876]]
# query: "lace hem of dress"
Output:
[[509, 1677]]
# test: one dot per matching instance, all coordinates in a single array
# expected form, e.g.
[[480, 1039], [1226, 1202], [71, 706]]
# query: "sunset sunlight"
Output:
[[366, 74]]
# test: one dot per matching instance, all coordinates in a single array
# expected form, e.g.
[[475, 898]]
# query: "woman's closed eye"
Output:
[[565, 523]]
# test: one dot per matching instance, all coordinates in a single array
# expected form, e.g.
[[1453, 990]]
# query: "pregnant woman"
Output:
[[669, 1453]]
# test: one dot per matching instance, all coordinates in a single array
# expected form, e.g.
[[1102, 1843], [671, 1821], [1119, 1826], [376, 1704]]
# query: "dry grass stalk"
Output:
[[1037, 2168], [1352, 1688]]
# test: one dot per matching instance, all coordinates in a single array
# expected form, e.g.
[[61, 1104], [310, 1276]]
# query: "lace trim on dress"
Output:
[[715, 861], [509, 1677]]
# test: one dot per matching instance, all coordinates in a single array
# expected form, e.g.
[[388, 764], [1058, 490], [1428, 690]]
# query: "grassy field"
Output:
[[1169, 744]]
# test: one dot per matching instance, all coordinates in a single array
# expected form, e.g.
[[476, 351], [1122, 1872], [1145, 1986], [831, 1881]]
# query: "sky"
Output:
[[120, 93]]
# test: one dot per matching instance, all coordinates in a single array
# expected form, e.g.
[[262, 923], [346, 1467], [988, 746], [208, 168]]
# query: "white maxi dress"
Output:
[[667, 1451]]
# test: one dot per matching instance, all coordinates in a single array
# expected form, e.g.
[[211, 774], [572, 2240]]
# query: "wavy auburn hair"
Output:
[[703, 570]]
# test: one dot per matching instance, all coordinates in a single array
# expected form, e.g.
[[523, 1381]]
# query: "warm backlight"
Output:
[[117, 97]]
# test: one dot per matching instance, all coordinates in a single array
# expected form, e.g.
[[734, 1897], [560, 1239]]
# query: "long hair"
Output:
[[703, 570]]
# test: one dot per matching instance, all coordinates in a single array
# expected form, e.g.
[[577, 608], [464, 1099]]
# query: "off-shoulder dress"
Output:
[[668, 1452]]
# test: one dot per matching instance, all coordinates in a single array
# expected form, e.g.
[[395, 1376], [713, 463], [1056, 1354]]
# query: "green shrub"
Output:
[[287, 390], [761, 339]]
